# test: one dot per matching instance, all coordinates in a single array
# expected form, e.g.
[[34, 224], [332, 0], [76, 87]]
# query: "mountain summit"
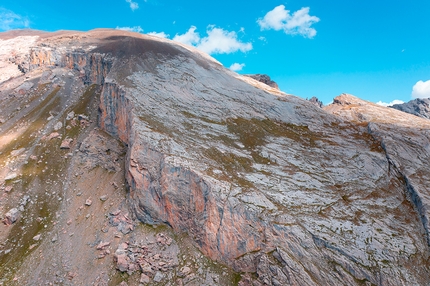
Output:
[[132, 159]]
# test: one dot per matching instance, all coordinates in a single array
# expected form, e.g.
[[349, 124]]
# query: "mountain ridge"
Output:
[[264, 182]]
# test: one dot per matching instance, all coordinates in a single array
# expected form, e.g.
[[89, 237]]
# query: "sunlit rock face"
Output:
[[276, 188]]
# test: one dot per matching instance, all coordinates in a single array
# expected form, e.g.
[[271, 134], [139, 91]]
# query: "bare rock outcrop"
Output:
[[274, 187]]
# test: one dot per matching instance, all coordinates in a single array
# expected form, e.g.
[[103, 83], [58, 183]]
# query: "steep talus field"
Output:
[[106, 133]]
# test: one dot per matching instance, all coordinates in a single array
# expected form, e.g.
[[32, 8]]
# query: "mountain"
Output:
[[419, 107], [132, 159]]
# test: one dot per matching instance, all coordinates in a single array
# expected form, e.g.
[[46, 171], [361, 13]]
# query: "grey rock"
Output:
[[58, 126], [419, 107], [158, 276]]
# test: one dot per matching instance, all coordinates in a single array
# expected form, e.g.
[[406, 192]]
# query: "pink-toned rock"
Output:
[[102, 245], [121, 258], [163, 239], [65, 144], [144, 278], [53, 135]]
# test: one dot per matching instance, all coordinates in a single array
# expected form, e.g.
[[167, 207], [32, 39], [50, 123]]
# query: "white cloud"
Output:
[[133, 5], [395, 101], [189, 38], [236, 67], [137, 29], [9, 20], [299, 23], [217, 41], [159, 34], [220, 41], [421, 89]]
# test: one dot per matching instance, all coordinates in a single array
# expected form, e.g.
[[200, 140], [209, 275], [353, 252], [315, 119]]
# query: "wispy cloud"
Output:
[[159, 34], [236, 67], [10, 20], [133, 5], [421, 89], [217, 41], [137, 29], [395, 101], [298, 23]]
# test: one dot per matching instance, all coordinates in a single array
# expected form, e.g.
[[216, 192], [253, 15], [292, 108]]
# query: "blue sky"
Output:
[[376, 50]]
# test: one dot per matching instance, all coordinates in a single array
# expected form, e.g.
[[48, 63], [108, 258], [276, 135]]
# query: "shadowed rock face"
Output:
[[264, 182], [419, 107]]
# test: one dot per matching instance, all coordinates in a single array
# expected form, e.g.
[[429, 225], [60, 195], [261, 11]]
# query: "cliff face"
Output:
[[261, 181]]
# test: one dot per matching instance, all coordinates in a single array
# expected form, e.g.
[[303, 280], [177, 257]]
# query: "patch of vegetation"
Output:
[[231, 165], [38, 119], [253, 132]]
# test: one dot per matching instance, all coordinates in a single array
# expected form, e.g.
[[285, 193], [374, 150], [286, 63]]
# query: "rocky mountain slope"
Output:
[[106, 133], [419, 107]]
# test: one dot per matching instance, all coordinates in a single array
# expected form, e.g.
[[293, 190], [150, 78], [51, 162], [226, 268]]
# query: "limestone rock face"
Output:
[[419, 107], [264, 182]]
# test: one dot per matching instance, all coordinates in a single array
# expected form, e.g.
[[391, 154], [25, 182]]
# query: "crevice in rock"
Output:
[[412, 193]]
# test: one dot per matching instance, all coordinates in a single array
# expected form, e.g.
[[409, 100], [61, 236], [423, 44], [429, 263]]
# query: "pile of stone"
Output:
[[149, 259], [122, 221]]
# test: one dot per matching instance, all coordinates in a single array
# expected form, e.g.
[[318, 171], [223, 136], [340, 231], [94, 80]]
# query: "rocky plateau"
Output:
[[128, 159]]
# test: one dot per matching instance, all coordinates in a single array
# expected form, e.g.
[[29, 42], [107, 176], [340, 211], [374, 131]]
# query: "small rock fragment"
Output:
[[102, 245], [58, 126], [144, 278], [11, 176], [53, 135], [11, 216], [70, 115], [158, 276], [88, 202], [65, 144]]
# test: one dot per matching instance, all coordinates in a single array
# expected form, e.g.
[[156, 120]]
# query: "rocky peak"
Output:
[[419, 107], [316, 102], [264, 79]]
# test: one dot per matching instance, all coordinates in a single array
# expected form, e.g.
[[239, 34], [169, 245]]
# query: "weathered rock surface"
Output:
[[264, 182], [419, 107]]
